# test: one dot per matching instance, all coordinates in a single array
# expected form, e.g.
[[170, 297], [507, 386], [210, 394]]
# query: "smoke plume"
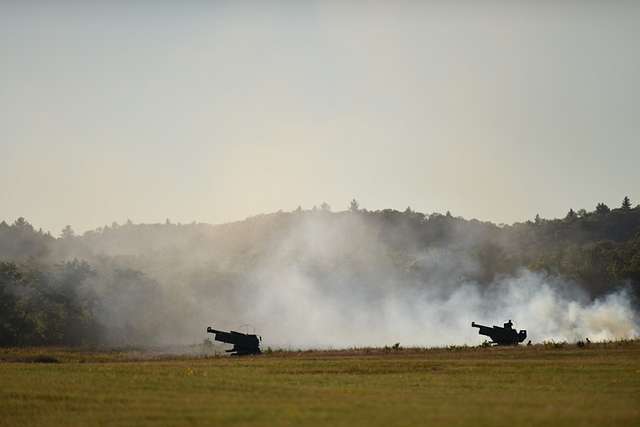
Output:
[[321, 283]]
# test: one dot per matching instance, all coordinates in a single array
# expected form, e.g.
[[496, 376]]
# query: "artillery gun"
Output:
[[243, 344], [502, 336]]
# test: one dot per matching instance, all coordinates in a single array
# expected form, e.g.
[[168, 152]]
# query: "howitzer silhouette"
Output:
[[242, 343], [502, 336]]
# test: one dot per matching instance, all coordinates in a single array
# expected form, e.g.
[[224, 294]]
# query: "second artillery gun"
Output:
[[242, 343], [502, 336]]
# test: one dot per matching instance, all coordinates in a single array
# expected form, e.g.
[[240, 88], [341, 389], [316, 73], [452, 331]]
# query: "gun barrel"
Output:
[[213, 331]]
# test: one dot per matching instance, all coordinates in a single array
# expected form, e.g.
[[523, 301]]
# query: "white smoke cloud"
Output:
[[299, 313], [330, 281], [305, 294]]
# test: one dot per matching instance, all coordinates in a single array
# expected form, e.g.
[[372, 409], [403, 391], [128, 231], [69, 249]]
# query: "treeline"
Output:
[[74, 303], [119, 284], [47, 305], [598, 249]]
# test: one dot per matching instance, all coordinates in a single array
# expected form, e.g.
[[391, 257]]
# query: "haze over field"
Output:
[[319, 279]]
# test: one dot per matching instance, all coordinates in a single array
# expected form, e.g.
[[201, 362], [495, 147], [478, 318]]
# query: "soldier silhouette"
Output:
[[508, 325]]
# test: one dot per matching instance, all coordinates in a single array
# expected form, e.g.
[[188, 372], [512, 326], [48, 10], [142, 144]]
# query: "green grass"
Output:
[[538, 385]]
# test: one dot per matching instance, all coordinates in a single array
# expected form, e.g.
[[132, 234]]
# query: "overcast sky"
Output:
[[214, 112]]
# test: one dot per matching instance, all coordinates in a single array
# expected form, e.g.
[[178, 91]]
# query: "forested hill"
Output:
[[598, 248], [63, 282]]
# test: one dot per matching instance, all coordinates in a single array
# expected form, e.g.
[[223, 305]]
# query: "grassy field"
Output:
[[537, 385]]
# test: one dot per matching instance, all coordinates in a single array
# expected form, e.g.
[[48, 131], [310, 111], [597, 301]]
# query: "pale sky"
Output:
[[215, 111]]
